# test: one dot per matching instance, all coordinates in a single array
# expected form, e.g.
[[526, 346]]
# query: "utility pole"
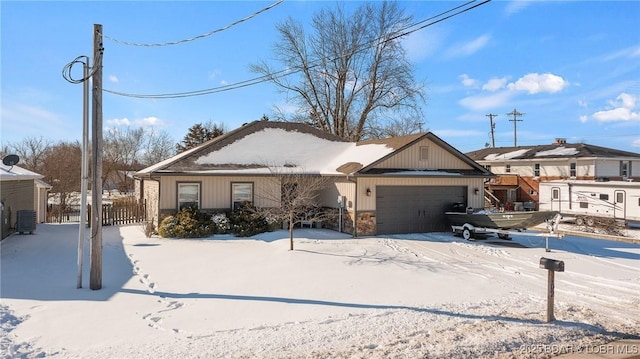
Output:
[[95, 273], [493, 127], [515, 120], [84, 169]]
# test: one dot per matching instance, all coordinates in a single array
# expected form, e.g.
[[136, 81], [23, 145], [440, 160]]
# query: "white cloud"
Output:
[[119, 122], [150, 121], [516, 6], [495, 84], [622, 109], [635, 143], [534, 83], [421, 44], [114, 79], [584, 118], [469, 48], [486, 102], [468, 81]]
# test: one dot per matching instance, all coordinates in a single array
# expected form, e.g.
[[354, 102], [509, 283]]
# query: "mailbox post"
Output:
[[552, 266]]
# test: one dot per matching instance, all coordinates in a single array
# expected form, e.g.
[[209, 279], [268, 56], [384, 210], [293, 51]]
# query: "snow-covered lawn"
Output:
[[423, 295]]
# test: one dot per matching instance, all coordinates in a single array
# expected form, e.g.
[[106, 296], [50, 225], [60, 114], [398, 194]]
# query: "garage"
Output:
[[415, 209]]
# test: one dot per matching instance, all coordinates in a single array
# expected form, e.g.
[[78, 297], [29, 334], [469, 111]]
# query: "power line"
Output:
[[199, 36], [290, 71]]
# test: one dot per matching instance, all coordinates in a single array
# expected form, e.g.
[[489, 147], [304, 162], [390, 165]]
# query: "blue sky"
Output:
[[571, 67]]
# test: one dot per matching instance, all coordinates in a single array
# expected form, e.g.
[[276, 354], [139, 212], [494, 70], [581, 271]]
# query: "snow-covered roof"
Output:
[[506, 155], [278, 148], [16, 173], [559, 151], [265, 147], [550, 151]]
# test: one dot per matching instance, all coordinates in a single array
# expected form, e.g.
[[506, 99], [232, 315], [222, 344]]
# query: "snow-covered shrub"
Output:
[[188, 223], [223, 225]]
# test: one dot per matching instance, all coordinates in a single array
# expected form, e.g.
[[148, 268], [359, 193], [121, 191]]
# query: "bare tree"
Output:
[[297, 194], [61, 169], [158, 147], [351, 68], [394, 127], [131, 149], [32, 152]]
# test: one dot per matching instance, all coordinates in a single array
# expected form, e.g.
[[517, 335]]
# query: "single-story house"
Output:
[[395, 185], [519, 170], [20, 189]]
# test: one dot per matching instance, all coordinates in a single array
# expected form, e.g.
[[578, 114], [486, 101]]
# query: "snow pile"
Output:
[[419, 295]]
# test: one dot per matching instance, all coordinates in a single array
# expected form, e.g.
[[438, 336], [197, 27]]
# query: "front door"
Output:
[[619, 204]]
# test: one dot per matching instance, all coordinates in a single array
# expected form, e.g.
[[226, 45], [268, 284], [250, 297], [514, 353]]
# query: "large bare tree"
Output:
[[350, 70]]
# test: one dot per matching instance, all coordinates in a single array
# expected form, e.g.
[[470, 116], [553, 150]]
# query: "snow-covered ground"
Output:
[[423, 295]]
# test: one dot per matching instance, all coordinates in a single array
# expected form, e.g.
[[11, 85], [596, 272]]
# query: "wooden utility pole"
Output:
[[515, 120], [95, 273], [493, 127]]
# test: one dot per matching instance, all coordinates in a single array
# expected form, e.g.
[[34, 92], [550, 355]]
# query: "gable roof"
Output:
[[551, 151], [262, 146]]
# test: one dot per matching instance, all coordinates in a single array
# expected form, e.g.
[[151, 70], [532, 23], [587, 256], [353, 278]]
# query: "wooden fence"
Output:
[[119, 212]]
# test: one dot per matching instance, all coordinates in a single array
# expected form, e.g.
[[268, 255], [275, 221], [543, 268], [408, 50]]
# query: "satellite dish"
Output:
[[10, 160]]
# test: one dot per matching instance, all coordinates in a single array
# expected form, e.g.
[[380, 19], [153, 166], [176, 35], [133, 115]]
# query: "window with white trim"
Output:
[[572, 169], [188, 195], [241, 193], [536, 170], [507, 168]]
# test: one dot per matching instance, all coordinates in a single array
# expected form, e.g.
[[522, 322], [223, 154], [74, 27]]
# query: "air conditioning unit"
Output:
[[26, 221]]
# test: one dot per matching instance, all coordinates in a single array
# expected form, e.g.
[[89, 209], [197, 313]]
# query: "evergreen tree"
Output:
[[200, 133]]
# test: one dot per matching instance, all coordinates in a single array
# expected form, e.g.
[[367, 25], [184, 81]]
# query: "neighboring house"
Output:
[[20, 189], [520, 169], [397, 185]]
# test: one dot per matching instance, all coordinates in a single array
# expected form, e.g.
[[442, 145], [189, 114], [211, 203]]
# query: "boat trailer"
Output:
[[468, 231]]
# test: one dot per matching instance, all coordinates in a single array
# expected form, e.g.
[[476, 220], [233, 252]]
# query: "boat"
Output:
[[500, 220]]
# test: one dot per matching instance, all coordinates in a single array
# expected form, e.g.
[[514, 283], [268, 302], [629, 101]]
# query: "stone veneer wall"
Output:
[[367, 223]]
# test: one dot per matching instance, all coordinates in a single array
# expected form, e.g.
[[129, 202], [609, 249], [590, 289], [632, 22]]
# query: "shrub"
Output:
[[188, 223], [247, 221], [223, 225]]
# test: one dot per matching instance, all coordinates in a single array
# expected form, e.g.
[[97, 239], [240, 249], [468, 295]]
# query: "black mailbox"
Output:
[[552, 264]]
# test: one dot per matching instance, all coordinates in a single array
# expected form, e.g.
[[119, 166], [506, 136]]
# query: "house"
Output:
[[520, 169], [396, 185], [20, 189]]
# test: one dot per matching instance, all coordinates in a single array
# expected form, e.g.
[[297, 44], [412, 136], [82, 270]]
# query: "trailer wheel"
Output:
[[579, 221], [466, 234], [591, 222]]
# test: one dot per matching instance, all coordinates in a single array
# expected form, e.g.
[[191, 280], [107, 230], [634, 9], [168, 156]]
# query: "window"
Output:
[[507, 168], [536, 170], [241, 193], [619, 197], [584, 205], [555, 193], [424, 153], [572, 169], [604, 196], [188, 195], [624, 169]]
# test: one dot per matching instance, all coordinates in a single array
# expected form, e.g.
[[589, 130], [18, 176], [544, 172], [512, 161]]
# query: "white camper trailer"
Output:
[[586, 200]]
